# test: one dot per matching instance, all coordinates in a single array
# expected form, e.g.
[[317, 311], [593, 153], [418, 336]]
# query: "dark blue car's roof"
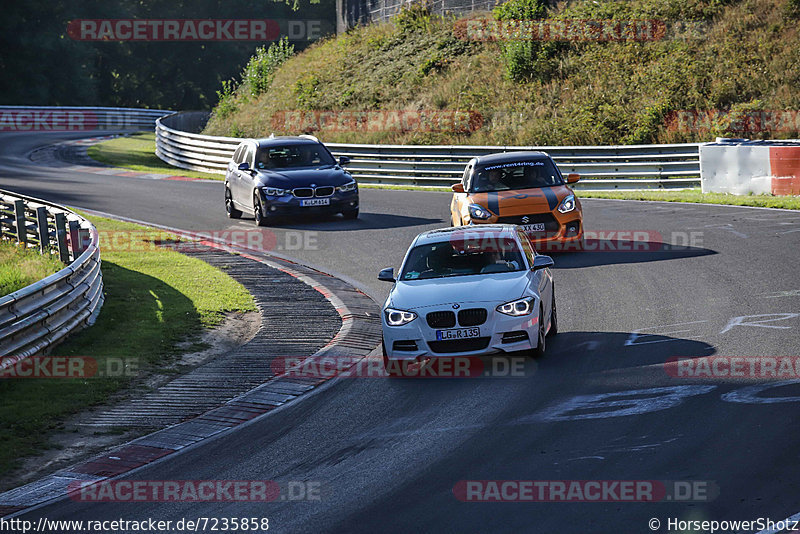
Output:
[[285, 140]]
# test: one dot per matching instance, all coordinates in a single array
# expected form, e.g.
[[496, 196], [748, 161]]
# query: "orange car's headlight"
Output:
[[567, 205], [476, 211]]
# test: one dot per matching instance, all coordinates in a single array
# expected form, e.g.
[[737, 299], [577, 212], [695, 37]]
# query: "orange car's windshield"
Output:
[[515, 175]]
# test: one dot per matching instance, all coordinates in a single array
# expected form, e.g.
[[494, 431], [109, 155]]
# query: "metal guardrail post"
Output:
[[74, 240], [19, 222], [42, 229], [61, 237], [83, 240]]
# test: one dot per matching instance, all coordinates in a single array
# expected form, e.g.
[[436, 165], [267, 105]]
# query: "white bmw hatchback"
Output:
[[468, 291]]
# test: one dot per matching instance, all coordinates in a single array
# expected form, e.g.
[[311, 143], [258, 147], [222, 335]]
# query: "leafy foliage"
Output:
[[257, 75], [721, 58]]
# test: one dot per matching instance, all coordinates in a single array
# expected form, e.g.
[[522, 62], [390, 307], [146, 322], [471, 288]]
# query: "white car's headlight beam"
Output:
[[517, 308], [398, 317]]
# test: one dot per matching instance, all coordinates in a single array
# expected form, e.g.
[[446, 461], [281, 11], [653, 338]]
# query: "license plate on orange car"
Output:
[[458, 333], [535, 227]]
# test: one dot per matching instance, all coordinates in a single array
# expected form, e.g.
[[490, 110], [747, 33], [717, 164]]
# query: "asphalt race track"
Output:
[[599, 406]]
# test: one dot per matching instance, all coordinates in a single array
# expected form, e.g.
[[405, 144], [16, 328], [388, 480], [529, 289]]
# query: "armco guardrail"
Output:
[[601, 167], [50, 118], [41, 314]]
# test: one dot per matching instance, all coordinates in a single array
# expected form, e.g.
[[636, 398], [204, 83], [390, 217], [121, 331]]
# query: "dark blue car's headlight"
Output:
[[275, 192], [346, 188]]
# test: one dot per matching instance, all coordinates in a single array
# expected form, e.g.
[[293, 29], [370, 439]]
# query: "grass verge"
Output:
[[698, 197], [155, 298], [137, 153], [20, 267]]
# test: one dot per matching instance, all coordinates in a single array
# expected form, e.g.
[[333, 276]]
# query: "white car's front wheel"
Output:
[[538, 351], [553, 316]]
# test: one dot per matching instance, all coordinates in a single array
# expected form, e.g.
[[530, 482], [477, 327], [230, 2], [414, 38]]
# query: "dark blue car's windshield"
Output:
[[285, 157]]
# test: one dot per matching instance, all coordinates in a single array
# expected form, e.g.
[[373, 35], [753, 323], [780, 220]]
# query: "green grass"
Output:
[[137, 153], [696, 196], [154, 299], [20, 267]]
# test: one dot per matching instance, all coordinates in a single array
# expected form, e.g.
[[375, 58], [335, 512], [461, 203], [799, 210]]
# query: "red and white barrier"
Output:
[[750, 167]]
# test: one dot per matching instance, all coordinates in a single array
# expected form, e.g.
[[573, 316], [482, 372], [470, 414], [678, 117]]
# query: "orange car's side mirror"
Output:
[[573, 178], [457, 188]]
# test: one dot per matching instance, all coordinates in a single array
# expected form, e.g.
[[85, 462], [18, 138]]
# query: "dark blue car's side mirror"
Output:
[[344, 160]]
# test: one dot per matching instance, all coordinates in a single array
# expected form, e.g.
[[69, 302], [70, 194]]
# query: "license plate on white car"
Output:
[[535, 227], [458, 333], [316, 202]]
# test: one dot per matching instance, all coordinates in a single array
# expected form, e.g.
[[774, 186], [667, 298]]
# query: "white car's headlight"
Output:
[[517, 307], [476, 211], [347, 187], [274, 191], [567, 205], [398, 317]]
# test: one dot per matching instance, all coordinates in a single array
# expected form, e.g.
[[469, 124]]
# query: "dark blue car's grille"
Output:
[[308, 192], [303, 192]]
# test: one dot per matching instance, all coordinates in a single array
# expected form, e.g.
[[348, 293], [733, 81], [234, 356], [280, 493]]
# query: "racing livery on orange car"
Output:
[[524, 188]]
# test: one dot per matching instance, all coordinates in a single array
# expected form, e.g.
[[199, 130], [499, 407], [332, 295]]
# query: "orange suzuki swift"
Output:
[[524, 188]]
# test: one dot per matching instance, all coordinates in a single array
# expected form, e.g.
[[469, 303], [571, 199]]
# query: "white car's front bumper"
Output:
[[499, 333]]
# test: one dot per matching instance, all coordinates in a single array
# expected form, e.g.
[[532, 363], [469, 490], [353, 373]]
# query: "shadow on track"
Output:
[[575, 353], [611, 252], [366, 221]]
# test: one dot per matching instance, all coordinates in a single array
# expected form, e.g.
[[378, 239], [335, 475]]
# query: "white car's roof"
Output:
[[492, 231]]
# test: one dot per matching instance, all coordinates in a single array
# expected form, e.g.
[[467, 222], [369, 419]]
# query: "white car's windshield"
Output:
[[459, 258], [515, 175]]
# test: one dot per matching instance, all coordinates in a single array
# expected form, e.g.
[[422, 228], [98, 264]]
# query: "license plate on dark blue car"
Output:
[[315, 202]]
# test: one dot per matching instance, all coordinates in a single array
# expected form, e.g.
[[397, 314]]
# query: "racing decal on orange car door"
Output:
[[493, 202], [552, 199]]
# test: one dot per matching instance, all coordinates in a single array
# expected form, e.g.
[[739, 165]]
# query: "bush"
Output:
[[226, 106], [526, 60], [258, 74], [415, 17]]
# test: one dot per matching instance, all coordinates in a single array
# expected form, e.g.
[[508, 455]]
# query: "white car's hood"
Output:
[[499, 288]]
